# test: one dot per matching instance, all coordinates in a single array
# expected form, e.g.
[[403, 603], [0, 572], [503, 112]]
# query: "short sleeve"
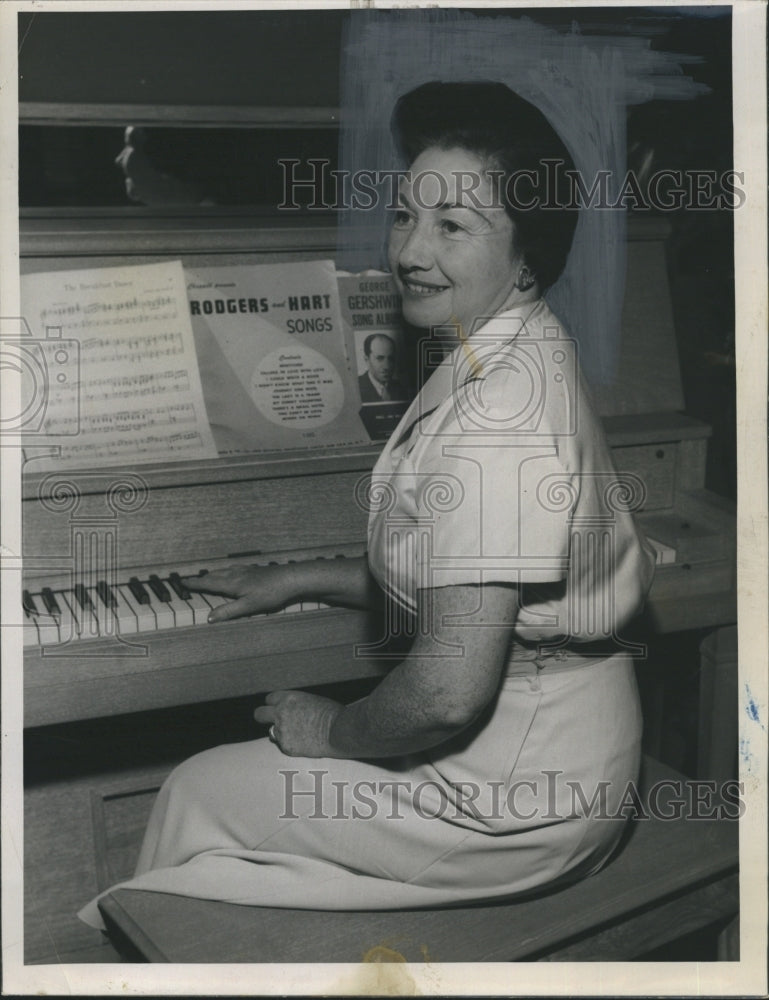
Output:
[[492, 508]]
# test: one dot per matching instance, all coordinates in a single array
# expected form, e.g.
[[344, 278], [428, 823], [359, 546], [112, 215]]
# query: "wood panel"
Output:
[[60, 870], [663, 925], [208, 521], [184, 115], [60, 239], [198, 667], [89, 787]]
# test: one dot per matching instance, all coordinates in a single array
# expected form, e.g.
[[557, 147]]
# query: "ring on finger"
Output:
[[271, 734]]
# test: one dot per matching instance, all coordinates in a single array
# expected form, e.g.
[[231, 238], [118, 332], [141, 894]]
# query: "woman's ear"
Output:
[[526, 279]]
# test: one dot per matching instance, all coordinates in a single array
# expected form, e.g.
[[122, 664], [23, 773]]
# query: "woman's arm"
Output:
[[256, 589], [450, 675]]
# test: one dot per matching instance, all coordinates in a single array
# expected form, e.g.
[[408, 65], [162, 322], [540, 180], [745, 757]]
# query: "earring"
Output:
[[525, 279]]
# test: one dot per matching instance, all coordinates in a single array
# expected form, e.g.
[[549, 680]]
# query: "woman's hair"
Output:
[[509, 135]]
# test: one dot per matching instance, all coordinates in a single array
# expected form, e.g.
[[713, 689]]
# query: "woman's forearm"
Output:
[[422, 702], [336, 581], [449, 676], [376, 727]]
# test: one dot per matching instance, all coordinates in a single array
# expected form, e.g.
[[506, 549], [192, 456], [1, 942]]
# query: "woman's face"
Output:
[[451, 245]]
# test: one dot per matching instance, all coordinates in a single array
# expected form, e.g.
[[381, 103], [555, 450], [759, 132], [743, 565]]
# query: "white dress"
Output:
[[497, 472]]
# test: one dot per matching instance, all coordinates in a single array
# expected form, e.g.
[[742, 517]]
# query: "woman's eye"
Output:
[[402, 218], [450, 228]]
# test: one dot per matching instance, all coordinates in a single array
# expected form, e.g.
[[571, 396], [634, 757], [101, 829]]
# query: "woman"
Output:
[[471, 770]]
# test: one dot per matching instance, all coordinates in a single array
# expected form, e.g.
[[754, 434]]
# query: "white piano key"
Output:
[[31, 636], [67, 624], [105, 618], [145, 616], [199, 608], [163, 613], [85, 622], [181, 610], [127, 623], [216, 600], [48, 629]]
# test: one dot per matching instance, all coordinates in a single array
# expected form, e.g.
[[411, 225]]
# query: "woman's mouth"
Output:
[[421, 288]]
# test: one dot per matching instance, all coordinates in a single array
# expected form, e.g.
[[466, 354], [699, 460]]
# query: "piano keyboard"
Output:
[[148, 601], [106, 653], [99, 649]]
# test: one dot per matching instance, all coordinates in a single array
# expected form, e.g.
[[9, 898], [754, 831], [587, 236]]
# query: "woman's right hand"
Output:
[[253, 589]]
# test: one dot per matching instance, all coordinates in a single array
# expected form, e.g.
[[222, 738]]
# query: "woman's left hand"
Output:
[[302, 722]]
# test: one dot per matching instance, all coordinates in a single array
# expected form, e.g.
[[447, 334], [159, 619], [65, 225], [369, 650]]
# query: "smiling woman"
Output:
[[497, 141], [502, 546], [454, 262]]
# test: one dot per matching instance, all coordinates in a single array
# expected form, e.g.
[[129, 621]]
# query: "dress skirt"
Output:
[[527, 796]]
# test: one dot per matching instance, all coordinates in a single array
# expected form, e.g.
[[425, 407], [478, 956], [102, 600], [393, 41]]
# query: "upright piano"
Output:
[[146, 524]]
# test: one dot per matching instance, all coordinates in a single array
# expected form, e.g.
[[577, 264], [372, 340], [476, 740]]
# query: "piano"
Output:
[[108, 630]]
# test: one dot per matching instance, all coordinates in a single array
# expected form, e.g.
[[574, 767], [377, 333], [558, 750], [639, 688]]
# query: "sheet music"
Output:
[[112, 368], [273, 361]]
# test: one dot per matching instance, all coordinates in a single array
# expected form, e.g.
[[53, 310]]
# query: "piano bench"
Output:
[[670, 877]]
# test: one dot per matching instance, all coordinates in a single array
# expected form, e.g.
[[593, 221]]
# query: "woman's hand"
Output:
[[302, 722], [254, 589]]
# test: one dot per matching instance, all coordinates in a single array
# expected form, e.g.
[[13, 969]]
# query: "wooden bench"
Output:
[[669, 878]]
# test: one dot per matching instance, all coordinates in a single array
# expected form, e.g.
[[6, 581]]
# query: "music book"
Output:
[[273, 360], [371, 310], [156, 362]]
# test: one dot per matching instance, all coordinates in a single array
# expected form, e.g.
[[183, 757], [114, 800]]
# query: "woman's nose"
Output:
[[416, 250]]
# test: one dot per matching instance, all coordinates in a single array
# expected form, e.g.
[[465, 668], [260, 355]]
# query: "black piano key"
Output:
[[104, 591], [180, 590], [28, 603], [82, 598], [137, 589], [49, 599], [159, 589]]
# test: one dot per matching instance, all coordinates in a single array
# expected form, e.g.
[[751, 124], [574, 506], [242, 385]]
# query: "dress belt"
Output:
[[528, 661]]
